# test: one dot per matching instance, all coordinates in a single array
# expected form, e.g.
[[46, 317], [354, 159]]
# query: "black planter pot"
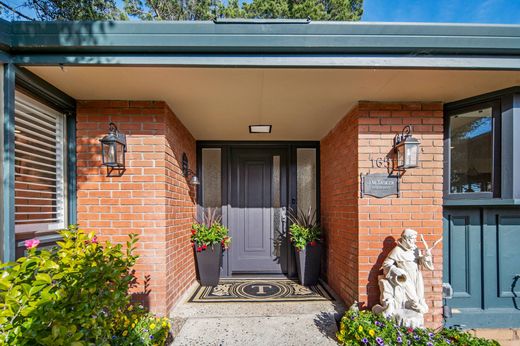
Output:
[[208, 265], [308, 263]]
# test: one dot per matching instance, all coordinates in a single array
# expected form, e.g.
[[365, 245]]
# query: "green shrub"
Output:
[[73, 295], [366, 328]]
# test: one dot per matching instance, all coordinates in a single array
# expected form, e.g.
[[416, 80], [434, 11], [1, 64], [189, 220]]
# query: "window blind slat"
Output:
[[26, 153], [23, 129], [30, 106], [34, 169], [31, 117], [34, 176], [40, 150], [28, 124], [33, 162]]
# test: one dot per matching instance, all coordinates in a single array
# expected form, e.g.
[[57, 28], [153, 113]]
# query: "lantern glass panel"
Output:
[[411, 155], [109, 153], [120, 154], [400, 156]]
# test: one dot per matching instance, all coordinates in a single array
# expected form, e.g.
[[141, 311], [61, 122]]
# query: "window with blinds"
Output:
[[40, 192]]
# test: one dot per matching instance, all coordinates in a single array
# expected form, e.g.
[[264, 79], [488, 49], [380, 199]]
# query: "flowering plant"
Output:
[[367, 328], [304, 228], [137, 327], [209, 232]]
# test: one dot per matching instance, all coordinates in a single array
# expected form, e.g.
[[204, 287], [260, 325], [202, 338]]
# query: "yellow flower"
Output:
[[360, 329], [133, 325], [130, 308], [342, 327], [125, 332], [152, 326], [134, 316], [340, 337], [164, 324], [371, 332]]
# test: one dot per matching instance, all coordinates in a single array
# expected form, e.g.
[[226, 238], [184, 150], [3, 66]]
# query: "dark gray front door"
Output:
[[258, 207]]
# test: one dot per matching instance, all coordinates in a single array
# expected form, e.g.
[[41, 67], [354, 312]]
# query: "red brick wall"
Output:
[[380, 221], [151, 199], [339, 205], [180, 211]]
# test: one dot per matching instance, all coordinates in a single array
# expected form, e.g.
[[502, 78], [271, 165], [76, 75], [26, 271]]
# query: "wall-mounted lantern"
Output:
[[186, 171], [406, 147], [113, 149]]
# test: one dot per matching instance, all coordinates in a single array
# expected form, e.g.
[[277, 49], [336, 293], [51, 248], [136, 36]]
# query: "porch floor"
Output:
[[273, 323]]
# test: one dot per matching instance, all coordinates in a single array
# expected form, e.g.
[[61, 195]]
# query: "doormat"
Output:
[[259, 290]]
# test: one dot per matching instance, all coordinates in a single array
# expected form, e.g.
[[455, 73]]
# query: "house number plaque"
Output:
[[379, 185]]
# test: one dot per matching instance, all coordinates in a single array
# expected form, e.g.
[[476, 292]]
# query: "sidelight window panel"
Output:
[[212, 178], [306, 178]]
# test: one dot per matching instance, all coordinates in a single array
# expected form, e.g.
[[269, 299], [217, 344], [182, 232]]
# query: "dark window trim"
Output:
[[34, 86], [466, 106]]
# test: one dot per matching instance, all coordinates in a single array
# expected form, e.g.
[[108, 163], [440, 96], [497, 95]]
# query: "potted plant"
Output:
[[305, 235], [209, 239]]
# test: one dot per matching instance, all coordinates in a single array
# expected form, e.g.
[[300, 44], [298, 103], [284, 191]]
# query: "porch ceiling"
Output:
[[301, 104]]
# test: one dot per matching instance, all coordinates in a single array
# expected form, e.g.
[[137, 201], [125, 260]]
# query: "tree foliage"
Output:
[[76, 9], [335, 10]]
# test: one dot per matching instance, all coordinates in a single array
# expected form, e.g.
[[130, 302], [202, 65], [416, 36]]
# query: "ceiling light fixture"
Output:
[[260, 128]]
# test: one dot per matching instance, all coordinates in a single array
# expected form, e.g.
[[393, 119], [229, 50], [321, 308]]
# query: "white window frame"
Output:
[[24, 100]]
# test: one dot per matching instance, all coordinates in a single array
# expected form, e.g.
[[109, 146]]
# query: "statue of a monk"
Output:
[[401, 285]]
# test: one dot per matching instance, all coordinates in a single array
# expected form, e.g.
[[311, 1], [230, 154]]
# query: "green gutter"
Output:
[[264, 38]]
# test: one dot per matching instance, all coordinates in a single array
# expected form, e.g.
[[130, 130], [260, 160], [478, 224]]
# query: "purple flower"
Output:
[[151, 336], [380, 341], [379, 324], [429, 344], [447, 341], [399, 340], [416, 337], [365, 341], [430, 335]]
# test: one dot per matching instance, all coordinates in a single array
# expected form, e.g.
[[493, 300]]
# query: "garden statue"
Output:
[[401, 285]]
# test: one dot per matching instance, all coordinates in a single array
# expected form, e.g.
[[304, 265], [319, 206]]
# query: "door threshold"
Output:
[[259, 276]]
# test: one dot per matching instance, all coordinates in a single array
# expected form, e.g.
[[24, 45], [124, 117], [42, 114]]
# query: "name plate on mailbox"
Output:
[[379, 185]]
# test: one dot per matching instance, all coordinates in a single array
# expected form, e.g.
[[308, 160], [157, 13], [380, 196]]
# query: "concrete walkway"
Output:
[[292, 323]]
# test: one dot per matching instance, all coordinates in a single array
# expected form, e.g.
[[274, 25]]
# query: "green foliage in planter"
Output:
[[137, 327], [209, 232], [72, 295], [304, 228], [367, 328]]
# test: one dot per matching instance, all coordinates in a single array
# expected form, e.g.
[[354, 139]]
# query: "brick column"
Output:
[[151, 199], [380, 221]]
